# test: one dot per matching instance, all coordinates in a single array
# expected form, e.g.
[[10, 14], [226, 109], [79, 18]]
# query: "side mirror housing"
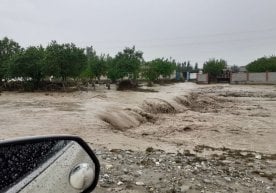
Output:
[[48, 164]]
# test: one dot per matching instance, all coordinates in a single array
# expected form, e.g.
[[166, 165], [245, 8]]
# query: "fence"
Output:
[[253, 78], [244, 78]]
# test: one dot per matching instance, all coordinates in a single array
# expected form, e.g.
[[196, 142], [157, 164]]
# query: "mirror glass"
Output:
[[45, 166]]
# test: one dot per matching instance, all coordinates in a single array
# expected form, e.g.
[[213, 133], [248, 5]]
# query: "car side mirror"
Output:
[[48, 164]]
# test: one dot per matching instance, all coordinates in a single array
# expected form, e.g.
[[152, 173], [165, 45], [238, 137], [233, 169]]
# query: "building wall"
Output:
[[193, 76], [202, 78]]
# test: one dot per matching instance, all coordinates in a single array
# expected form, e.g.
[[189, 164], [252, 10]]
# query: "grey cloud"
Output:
[[237, 30]]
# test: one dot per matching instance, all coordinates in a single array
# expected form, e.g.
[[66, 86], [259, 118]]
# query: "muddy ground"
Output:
[[182, 138]]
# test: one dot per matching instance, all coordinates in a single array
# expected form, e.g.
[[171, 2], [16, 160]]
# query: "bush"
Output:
[[127, 85]]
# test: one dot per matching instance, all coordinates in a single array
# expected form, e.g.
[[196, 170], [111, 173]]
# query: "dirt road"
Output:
[[199, 138]]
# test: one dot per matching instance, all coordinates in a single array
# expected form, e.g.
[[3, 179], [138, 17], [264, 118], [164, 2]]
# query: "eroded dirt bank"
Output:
[[183, 138]]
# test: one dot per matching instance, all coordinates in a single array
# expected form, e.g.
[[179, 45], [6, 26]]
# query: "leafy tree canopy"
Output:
[[96, 65], [158, 67], [150, 71], [65, 60], [99, 65], [214, 67], [29, 63], [262, 65], [8, 48], [126, 64]]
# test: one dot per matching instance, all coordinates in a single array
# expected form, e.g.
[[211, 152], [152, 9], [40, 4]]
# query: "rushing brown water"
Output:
[[238, 117]]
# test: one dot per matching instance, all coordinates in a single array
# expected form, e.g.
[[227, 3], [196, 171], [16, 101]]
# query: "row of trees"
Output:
[[35, 63], [63, 61], [127, 64]]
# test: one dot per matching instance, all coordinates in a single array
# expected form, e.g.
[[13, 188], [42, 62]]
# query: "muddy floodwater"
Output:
[[201, 119]]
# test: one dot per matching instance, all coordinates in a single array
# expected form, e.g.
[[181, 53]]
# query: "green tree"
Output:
[[87, 70], [8, 48], [125, 64], [30, 65], [96, 65], [196, 66], [150, 71], [195, 70], [185, 67], [65, 60], [214, 67], [158, 67], [166, 67], [188, 67], [262, 65], [99, 66]]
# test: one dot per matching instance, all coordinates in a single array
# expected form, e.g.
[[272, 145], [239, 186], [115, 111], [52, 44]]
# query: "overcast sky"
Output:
[[196, 30]]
